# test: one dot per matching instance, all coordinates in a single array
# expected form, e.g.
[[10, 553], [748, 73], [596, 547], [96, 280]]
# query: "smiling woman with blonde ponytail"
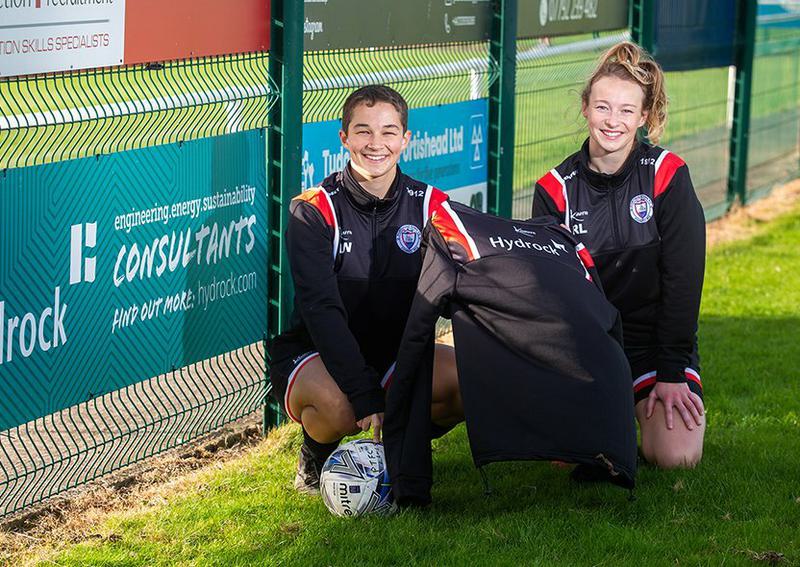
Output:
[[632, 204]]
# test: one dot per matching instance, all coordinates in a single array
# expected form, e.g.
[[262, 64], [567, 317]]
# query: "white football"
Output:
[[355, 481]]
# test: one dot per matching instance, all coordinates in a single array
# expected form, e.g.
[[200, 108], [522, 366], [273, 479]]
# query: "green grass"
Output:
[[741, 502]]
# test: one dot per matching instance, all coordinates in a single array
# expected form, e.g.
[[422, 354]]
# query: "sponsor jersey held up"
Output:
[[542, 372]]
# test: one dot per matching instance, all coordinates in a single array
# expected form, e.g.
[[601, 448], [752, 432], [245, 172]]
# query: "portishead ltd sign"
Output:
[[340, 24], [545, 18], [38, 36], [448, 150]]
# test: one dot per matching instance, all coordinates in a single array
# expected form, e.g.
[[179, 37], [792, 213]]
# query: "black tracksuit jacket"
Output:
[[355, 262], [645, 229], [540, 365]]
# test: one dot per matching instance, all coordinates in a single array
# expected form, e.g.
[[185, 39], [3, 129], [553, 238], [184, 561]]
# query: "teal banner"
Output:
[[119, 268]]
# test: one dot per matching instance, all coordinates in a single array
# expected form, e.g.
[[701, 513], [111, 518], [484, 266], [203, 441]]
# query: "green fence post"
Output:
[[284, 146], [740, 128], [503, 49], [642, 21]]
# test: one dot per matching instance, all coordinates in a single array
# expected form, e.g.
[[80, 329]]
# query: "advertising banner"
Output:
[[547, 18], [119, 268], [158, 30], [340, 24], [448, 150], [38, 36]]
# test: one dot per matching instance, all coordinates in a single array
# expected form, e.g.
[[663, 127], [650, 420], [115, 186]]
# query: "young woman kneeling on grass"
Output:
[[633, 206], [354, 252]]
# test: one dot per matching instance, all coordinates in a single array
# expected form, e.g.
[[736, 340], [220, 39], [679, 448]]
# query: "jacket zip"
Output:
[[614, 220], [375, 234]]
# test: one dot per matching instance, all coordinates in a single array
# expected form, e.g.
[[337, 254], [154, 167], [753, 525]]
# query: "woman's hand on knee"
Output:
[[374, 421], [680, 397]]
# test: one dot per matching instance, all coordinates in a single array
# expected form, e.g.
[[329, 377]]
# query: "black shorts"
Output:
[[283, 373]]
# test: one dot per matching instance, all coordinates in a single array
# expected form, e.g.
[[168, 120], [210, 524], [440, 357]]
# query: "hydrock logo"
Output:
[[82, 269], [26, 333], [508, 245]]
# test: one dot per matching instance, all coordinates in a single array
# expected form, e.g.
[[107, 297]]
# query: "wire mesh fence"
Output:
[[65, 449], [424, 75], [60, 116], [698, 130], [63, 116], [774, 150]]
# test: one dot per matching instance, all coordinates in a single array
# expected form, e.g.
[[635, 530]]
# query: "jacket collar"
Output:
[[603, 180], [363, 199]]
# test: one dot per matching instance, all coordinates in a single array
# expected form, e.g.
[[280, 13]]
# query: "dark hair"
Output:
[[370, 95], [630, 62]]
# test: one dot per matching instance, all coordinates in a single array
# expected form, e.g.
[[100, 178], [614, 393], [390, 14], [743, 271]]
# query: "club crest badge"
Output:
[[641, 208], [408, 238]]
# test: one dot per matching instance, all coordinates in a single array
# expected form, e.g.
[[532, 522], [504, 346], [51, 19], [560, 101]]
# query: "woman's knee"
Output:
[[339, 415], [671, 456]]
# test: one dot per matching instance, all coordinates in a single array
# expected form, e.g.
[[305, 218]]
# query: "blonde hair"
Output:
[[630, 62]]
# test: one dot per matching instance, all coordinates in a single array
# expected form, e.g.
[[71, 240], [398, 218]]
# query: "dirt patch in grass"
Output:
[[745, 222]]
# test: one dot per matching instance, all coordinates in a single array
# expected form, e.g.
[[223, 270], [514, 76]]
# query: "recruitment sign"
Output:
[[546, 18], [123, 267], [37, 36], [448, 150], [340, 24]]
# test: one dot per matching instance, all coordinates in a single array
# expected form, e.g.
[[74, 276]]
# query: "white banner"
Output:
[[38, 36]]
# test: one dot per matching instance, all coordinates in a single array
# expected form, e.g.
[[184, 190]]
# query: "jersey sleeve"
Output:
[[544, 203], [310, 245], [681, 224], [408, 413]]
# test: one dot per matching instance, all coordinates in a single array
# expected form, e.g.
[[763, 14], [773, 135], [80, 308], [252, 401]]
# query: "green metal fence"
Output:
[[63, 116], [533, 90], [60, 116], [774, 151], [698, 131]]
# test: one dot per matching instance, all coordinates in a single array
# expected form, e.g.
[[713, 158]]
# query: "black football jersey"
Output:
[[541, 369]]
